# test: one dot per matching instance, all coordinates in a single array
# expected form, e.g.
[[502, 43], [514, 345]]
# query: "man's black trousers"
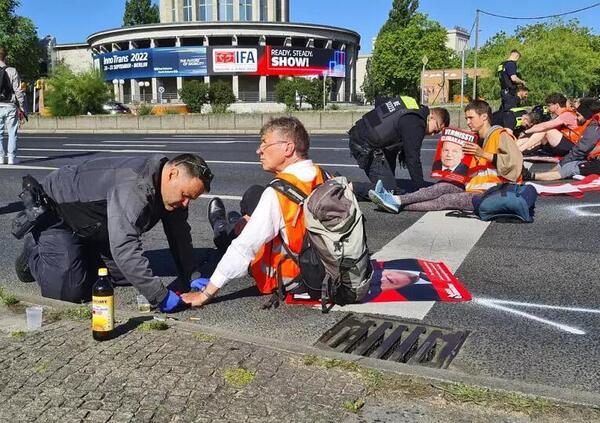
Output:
[[66, 266]]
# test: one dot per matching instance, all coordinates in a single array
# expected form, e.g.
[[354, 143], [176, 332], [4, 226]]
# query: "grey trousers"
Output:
[[66, 266], [440, 196]]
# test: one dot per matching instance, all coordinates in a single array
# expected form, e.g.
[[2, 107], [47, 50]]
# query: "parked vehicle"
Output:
[[115, 108]]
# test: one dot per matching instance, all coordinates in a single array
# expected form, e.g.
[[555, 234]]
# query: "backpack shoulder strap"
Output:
[[288, 189]]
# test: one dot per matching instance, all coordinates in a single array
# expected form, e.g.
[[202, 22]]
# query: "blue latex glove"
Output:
[[199, 284], [171, 303]]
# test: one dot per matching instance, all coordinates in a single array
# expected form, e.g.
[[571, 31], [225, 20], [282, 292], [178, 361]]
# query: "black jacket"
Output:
[[113, 201]]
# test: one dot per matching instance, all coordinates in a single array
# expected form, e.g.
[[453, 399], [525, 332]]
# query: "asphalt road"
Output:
[[550, 265]]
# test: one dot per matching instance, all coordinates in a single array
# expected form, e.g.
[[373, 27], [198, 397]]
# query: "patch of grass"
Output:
[[508, 400], [204, 337], [152, 325], [238, 377], [313, 360], [354, 406], [7, 299], [77, 313], [42, 368], [18, 334]]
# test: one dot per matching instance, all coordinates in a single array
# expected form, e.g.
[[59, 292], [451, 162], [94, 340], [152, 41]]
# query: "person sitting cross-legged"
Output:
[[496, 159]]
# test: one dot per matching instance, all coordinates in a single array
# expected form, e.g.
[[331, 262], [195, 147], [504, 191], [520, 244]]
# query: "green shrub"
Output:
[[285, 92], [195, 95], [220, 95], [144, 109], [71, 94], [294, 92]]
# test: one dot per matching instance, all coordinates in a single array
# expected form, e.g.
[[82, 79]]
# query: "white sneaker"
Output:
[[12, 160], [2, 160]]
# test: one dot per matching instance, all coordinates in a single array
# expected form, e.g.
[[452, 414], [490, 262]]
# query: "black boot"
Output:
[[22, 262], [216, 212]]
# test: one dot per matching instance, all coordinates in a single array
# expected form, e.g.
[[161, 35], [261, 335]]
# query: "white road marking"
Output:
[[543, 306], [493, 304], [222, 197], [43, 137], [579, 210], [18, 166], [113, 145], [434, 237], [172, 141]]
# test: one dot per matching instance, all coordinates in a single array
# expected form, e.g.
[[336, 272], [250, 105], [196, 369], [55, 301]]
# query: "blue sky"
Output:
[[73, 20]]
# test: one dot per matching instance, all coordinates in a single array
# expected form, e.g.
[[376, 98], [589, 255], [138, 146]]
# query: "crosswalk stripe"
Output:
[[434, 237]]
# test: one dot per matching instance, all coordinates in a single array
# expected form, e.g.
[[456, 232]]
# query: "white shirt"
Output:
[[265, 224], [18, 96]]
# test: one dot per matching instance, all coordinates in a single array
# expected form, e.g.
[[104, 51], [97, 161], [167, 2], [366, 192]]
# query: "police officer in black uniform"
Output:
[[509, 80], [393, 130], [512, 118]]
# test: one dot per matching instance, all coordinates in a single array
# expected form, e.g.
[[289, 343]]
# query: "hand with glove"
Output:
[[199, 284], [172, 303]]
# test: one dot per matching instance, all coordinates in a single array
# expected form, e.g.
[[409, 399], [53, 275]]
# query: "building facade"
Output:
[[249, 44]]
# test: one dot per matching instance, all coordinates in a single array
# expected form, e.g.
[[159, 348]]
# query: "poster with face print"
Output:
[[450, 163]]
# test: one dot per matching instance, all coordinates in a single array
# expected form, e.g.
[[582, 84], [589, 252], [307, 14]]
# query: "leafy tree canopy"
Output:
[[556, 56], [18, 35], [396, 64], [140, 12], [400, 15]]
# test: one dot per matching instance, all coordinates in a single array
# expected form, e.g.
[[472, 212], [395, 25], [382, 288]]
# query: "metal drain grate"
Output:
[[394, 340]]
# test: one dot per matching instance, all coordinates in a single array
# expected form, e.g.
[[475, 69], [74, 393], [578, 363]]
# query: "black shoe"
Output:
[[216, 211], [22, 262], [233, 217], [527, 174]]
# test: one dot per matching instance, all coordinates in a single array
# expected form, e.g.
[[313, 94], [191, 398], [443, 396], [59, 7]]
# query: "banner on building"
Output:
[[227, 60], [153, 63]]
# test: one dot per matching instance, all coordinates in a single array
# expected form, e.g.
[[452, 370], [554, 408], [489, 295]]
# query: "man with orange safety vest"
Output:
[[586, 151], [556, 136], [276, 223]]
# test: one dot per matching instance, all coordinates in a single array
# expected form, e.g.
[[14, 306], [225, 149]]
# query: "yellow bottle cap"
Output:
[[103, 271]]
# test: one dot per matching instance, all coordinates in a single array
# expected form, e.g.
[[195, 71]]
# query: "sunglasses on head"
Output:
[[204, 170]]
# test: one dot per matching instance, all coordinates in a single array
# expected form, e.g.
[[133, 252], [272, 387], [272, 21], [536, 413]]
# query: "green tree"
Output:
[[71, 94], [396, 65], [285, 92], [400, 15], [195, 95], [556, 56], [220, 96], [140, 12], [18, 35]]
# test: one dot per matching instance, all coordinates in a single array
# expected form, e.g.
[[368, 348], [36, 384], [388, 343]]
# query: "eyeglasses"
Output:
[[262, 147]]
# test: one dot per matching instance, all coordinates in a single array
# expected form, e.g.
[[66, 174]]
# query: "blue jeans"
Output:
[[9, 120]]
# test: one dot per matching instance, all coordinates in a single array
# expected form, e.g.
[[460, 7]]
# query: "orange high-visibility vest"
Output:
[[595, 153], [272, 261], [574, 135], [482, 173]]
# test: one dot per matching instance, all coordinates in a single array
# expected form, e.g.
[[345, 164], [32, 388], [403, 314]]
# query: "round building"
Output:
[[249, 44]]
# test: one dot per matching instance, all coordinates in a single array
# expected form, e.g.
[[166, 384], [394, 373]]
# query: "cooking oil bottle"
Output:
[[103, 311]]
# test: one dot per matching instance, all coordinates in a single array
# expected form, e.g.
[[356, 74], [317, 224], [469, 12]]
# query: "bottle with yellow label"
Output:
[[103, 311]]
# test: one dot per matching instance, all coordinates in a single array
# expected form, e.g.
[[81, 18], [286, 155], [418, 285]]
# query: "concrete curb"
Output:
[[169, 131], [423, 374]]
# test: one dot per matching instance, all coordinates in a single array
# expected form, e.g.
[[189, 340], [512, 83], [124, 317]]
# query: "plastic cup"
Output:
[[143, 304], [34, 317]]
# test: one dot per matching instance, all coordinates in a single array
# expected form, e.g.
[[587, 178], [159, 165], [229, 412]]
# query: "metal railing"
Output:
[[248, 96]]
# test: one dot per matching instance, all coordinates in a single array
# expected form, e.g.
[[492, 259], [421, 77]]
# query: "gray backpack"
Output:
[[335, 265]]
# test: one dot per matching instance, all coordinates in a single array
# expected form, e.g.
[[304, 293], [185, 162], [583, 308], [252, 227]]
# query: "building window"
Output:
[[205, 10], [264, 10], [173, 11], [225, 10], [187, 10], [245, 10], [278, 11]]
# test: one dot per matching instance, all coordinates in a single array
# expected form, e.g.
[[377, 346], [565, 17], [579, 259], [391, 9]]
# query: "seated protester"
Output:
[[274, 220], [527, 121], [588, 147], [496, 159], [557, 135]]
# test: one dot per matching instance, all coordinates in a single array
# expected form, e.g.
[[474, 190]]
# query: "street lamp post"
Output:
[[143, 85]]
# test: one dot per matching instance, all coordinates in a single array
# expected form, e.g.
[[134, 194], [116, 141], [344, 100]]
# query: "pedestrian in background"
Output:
[[13, 109]]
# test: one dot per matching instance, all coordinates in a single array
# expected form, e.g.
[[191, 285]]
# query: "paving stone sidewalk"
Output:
[[59, 373]]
